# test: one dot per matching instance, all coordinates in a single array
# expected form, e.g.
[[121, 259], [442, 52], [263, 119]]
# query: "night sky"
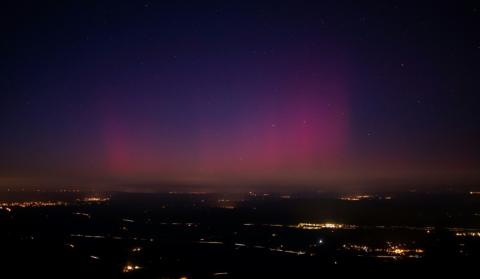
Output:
[[112, 94]]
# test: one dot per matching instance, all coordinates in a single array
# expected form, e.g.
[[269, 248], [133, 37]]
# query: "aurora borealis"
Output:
[[109, 93]]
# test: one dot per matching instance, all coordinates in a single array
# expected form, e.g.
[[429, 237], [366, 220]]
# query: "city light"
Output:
[[95, 199], [321, 226], [32, 204], [129, 268], [471, 234], [356, 197]]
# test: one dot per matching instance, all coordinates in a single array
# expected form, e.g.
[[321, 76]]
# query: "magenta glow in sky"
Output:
[[297, 123], [238, 93]]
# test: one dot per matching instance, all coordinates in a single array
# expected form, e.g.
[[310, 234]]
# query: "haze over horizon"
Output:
[[337, 95]]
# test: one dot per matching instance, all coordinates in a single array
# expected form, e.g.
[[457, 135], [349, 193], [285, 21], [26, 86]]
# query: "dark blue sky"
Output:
[[108, 93]]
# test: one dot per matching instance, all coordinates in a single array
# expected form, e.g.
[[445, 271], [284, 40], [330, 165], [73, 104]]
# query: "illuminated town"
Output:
[[170, 230]]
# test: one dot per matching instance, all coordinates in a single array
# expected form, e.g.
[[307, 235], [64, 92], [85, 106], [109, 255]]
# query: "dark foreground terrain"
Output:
[[70, 234]]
